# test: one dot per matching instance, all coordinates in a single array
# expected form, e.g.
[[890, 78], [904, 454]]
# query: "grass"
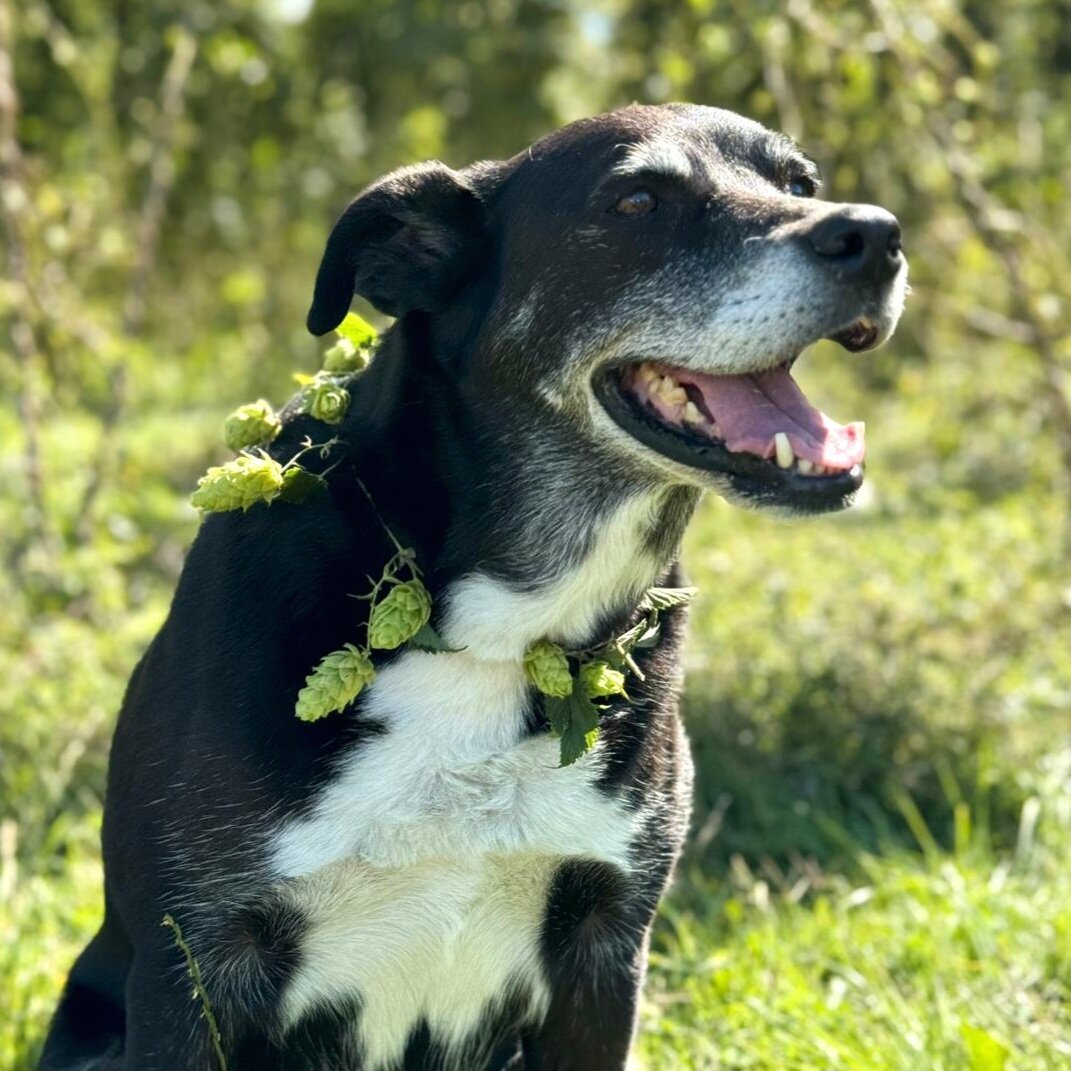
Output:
[[918, 961]]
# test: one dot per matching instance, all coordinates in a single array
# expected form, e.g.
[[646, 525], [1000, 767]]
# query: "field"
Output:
[[879, 702]]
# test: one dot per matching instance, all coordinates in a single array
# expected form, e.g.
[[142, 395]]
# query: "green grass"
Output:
[[919, 961]]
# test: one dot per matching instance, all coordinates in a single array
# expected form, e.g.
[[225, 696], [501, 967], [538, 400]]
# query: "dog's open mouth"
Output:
[[757, 428]]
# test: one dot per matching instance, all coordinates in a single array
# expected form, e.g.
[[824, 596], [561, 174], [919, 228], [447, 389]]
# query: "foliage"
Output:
[[875, 700]]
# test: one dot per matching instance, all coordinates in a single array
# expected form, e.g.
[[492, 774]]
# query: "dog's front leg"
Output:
[[595, 949], [165, 1028]]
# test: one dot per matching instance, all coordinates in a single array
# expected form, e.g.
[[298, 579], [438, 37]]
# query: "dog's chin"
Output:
[[751, 437]]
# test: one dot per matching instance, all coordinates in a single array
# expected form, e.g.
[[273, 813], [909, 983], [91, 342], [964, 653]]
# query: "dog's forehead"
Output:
[[672, 138]]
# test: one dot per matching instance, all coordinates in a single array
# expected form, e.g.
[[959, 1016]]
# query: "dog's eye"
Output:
[[802, 186], [636, 203]]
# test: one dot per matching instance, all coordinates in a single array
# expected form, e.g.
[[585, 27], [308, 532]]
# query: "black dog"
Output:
[[588, 335]]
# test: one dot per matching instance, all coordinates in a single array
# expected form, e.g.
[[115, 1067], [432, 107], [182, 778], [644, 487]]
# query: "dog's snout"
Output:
[[860, 240]]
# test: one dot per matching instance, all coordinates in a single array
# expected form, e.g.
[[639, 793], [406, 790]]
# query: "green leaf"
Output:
[[299, 485], [557, 714], [667, 598], [428, 640], [582, 731], [574, 719], [357, 330], [984, 1052]]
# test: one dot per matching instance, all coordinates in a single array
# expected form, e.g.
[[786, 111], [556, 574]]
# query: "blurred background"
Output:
[[880, 702]]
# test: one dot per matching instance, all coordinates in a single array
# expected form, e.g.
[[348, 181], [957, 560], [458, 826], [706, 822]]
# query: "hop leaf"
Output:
[[239, 484], [667, 598], [327, 401], [299, 485], [344, 356], [574, 719], [335, 682], [399, 616], [601, 679], [357, 331], [251, 425], [548, 669]]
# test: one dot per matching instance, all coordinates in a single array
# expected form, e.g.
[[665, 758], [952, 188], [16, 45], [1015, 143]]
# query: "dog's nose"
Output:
[[861, 240]]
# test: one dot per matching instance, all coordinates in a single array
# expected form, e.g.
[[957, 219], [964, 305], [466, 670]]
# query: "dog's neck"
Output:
[[521, 532]]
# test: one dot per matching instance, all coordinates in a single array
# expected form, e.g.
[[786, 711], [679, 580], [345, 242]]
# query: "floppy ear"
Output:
[[408, 242]]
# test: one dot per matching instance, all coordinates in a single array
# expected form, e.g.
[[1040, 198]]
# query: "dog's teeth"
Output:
[[675, 396], [647, 374], [783, 450], [715, 430], [692, 414], [805, 466]]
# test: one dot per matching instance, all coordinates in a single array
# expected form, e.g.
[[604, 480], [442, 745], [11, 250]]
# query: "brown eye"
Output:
[[802, 186], [637, 203]]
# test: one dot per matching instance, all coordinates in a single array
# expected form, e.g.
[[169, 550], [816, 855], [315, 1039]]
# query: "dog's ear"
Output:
[[408, 242]]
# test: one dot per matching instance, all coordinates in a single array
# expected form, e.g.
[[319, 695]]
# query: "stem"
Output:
[[199, 989], [379, 517]]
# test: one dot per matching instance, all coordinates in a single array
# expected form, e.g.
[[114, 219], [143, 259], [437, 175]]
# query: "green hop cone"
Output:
[[601, 679], [251, 425], [548, 669], [344, 356], [335, 682], [239, 484], [399, 616], [326, 401]]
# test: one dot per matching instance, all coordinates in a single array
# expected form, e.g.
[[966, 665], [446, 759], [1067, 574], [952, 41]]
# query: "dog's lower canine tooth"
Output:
[[783, 450], [692, 414]]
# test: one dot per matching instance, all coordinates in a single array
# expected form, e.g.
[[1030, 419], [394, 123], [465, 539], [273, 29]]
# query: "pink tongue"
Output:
[[753, 408]]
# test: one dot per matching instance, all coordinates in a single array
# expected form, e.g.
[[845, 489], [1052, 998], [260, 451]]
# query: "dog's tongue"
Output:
[[753, 408]]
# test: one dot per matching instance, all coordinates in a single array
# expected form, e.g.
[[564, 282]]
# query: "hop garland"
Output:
[[400, 605], [572, 680]]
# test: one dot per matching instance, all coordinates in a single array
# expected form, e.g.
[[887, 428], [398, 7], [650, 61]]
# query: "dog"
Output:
[[587, 337]]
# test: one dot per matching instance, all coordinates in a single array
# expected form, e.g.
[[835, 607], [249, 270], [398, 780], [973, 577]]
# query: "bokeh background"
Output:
[[879, 702]]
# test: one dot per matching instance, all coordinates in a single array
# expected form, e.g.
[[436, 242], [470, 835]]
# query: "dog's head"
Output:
[[640, 283]]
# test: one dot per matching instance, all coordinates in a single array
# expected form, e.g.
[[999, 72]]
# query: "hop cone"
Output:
[[399, 616], [600, 679], [326, 401], [335, 682], [548, 669], [344, 356], [239, 484], [251, 425]]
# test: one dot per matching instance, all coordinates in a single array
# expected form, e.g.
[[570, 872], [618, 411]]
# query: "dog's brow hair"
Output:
[[785, 153], [658, 156]]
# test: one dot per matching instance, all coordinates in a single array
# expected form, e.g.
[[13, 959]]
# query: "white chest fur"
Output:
[[424, 865]]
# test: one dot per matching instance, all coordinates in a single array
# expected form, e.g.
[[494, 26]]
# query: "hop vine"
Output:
[[575, 684], [571, 681]]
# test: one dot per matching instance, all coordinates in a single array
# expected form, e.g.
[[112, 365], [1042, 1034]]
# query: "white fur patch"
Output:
[[660, 156], [441, 941], [424, 864]]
